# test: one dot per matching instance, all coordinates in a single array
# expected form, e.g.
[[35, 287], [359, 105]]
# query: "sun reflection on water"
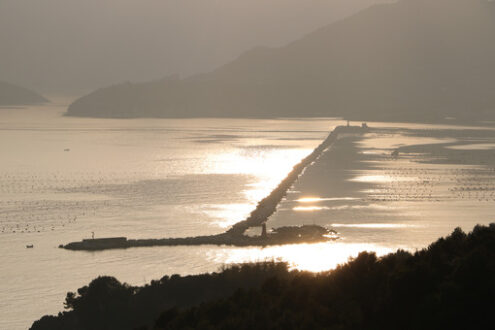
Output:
[[374, 225], [311, 257], [269, 166], [266, 167], [309, 208], [309, 199], [228, 214], [320, 199], [382, 178]]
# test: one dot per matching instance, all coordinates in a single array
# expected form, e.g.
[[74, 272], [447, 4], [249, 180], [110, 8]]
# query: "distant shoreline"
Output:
[[16, 96]]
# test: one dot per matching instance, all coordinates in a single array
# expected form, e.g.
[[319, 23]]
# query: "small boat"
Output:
[[29, 246]]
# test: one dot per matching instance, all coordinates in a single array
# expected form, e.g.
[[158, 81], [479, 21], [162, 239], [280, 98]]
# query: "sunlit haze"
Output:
[[247, 164]]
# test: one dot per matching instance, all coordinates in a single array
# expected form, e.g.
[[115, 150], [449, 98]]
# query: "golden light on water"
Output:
[[374, 225], [264, 162], [477, 146], [315, 200], [229, 214], [309, 199], [367, 206], [309, 208], [255, 192], [382, 178], [269, 166], [311, 257], [320, 199]]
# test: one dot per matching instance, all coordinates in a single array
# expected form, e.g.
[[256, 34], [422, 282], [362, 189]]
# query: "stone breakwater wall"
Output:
[[268, 205], [235, 235], [284, 235]]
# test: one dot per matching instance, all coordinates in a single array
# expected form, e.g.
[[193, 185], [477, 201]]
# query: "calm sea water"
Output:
[[63, 179], [442, 178]]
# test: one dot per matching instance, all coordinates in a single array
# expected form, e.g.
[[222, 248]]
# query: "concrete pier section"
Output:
[[268, 205], [236, 235]]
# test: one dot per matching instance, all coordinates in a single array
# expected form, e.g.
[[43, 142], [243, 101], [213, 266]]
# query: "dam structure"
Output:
[[235, 236]]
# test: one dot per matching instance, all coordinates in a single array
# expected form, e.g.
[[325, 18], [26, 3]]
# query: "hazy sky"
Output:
[[74, 45]]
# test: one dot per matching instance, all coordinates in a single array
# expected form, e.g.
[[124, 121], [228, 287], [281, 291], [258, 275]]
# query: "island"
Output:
[[411, 60], [12, 95]]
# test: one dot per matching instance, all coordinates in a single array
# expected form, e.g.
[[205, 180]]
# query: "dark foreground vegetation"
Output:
[[449, 285]]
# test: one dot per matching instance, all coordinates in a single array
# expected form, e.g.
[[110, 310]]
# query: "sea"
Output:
[[64, 179]]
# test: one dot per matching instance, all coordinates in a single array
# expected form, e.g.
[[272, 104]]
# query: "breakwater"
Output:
[[280, 236], [258, 217], [268, 205]]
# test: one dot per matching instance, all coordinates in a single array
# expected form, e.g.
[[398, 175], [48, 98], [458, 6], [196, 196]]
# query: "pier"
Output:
[[258, 217], [279, 236]]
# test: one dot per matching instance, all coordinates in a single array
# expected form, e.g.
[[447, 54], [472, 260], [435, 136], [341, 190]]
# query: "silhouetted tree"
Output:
[[449, 285]]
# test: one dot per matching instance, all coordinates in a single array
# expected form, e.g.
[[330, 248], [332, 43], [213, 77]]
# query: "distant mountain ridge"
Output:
[[412, 60], [72, 47], [16, 95]]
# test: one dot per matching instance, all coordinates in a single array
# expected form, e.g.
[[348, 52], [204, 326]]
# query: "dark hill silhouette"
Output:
[[93, 43], [15, 95], [413, 60], [448, 285]]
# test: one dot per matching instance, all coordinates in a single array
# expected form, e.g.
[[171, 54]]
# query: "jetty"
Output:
[[278, 236], [235, 236], [268, 205]]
